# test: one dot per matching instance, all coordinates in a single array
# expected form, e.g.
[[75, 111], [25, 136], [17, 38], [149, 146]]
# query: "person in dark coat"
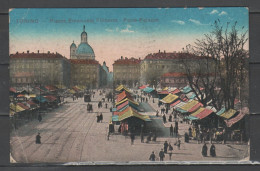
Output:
[[164, 119], [132, 136], [213, 151], [106, 105], [165, 145], [154, 136], [40, 117], [152, 157], [170, 118], [142, 137], [166, 110], [161, 155], [38, 139], [190, 133], [157, 113], [100, 117], [171, 130], [204, 150]]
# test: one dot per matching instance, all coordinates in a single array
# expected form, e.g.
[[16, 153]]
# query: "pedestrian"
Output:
[[106, 105], [170, 118], [132, 136], [154, 137], [38, 139], [170, 149], [142, 138], [161, 111], [175, 132], [186, 137], [152, 157], [204, 150], [171, 130], [165, 145], [40, 117], [108, 134], [190, 133], [164, 118], [153, 100], [213, 151], [161, 155], [157, 113], [178, 144], [167, 110], [101, 117], [98, 118]]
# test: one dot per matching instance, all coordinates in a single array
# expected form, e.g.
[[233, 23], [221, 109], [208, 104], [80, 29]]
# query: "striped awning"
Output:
[[189, 105], [228, 114], [169, 98], [132, 113]]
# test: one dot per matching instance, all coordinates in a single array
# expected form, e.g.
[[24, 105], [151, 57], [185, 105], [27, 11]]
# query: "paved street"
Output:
[[70, 134]]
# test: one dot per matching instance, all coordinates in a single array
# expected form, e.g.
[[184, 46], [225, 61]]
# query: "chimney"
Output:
[[28, 51], [38, 51]]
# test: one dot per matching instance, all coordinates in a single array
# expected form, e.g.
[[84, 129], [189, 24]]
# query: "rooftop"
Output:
[[172, 55], [47, 55], [83, 61], [126, 61]]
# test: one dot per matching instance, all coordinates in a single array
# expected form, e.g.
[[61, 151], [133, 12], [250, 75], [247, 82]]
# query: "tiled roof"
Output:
[[172, 55], [126, 61], [174, 74], [83, 61], [37, 55]]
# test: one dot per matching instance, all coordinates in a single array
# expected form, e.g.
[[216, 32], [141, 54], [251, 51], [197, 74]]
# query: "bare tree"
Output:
[[222, 67]]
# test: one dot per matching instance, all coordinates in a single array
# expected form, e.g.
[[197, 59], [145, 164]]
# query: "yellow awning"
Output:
[[72, 91], [122, 101], [133, 113], [121, 87], [189, 105], [169, 98], [166, 88], [30, 96], [228, 114], [16, 108], [198, 111]]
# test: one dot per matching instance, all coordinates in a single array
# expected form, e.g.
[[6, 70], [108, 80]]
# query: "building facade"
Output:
[[83, 50], [174, 79], [127, 72], [155, 65], [39, 68]]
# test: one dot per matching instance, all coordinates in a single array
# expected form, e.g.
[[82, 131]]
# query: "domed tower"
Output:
[[84, 50], [73, 48], [84, 36]]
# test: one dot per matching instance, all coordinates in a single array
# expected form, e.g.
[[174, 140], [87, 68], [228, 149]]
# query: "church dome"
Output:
[[85, 48], [73, 45]]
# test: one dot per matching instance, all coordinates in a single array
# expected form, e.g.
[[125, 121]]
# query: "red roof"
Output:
[[31, 103], [204, 113], [143, 86], [23, 106], [126, 61], [12, 90], [194, 108], [163, 92], [123, 95], [36, 55], [174, 74], [175, 91], [122, 105], [50, 98], [51, 88], [172, 55], [175, 103]]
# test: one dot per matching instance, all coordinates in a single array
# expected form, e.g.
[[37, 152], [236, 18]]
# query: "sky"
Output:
[[116, 32]]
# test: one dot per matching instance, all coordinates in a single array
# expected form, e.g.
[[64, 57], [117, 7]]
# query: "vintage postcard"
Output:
[[120, 85]]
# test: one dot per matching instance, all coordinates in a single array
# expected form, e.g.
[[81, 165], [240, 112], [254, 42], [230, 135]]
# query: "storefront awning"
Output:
[[148, 89], [143, 86], [186, 89], [121, 88], [126, 99], [175, 91], [175, 103], [179, 105], [189, 105], [197, 112], [132, 113], [192, 118], [163, 92], [228, 114], [234, 120], [169, 98], [221, 111], [123, 95], [204, 113], [196, 107], [16, 108]]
